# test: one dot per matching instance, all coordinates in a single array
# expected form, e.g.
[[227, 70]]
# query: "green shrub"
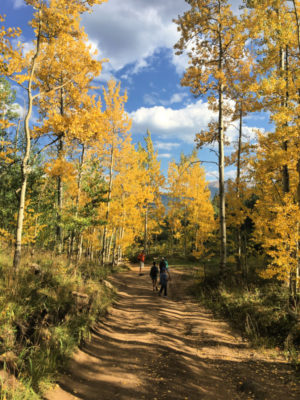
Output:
[[42, 321], [260, 312]]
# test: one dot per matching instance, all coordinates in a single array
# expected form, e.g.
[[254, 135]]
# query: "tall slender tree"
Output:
[[213, 43], [275, 166], [117, 127], [153, 207], [190, 211], [52, 20]]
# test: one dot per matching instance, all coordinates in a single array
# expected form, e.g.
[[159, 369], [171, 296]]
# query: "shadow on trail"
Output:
[[165, 349]]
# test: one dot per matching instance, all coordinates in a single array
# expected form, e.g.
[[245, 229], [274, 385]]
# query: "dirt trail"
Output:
[[152, 347]]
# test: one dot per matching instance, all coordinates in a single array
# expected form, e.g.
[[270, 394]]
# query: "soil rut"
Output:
[[157, 348]]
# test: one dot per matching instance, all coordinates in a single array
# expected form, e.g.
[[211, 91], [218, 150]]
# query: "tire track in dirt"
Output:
[[150, 347]]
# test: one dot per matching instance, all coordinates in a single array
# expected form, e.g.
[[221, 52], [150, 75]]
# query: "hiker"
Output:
[[167, 264], [153, 275], [162, 265], [141, 257], [163, 283], [164, 275]]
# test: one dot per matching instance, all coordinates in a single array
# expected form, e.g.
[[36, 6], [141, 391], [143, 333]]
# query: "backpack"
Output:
[[154, 271], [162, 266]]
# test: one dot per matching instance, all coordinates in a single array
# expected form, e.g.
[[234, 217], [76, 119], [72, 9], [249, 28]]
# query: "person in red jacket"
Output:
[[141, 258]]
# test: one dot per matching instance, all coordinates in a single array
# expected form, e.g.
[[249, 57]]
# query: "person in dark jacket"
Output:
[[162, 265], [163, 283], [153, 275], [164, 276]]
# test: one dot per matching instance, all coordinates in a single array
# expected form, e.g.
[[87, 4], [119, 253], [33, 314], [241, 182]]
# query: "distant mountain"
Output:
[[214, 188], [165, 199]]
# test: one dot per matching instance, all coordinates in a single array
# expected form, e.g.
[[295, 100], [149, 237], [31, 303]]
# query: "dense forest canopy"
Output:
[[74, 182], [81, 196]]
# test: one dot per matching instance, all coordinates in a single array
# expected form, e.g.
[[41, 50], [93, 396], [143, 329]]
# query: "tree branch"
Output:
[[45, 147], [51, 90]]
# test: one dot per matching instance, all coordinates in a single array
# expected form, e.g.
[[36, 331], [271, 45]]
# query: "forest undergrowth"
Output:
[[45, 313], [261, 310]]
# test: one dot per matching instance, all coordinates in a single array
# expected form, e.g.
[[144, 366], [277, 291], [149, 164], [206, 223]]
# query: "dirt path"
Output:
[[159, 348]]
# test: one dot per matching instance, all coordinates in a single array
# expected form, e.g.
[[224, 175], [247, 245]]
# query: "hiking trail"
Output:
[[157, 348]]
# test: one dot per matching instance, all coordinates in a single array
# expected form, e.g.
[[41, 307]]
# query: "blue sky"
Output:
[[137, 36]]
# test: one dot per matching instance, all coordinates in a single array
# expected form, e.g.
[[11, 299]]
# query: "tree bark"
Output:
[[120, 252], [59, 232], [223, 239], [238, 192], [108, 204], [298, 163], [74, 233], [146, 231], [283, 66], [17, 135], [223, 249], [25, 168]]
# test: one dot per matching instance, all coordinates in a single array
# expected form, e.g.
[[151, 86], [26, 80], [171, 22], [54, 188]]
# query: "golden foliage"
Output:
[[190, 210]]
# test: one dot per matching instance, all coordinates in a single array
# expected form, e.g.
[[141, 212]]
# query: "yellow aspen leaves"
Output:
[[190, 214]]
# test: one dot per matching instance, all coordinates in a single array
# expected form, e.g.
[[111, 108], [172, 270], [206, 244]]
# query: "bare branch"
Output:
[[45, 147], [207, 162], [52, 90]]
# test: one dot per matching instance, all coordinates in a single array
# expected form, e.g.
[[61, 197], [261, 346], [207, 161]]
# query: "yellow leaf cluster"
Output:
[[190, 211]]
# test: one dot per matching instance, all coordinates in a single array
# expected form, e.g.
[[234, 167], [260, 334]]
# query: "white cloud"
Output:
[[213, 176], [166, 145], [27, 47], [235, 5], [130, 32], [18, 3], [230, 174], [106, 74], [178, 97], [180, 62], [164, 155], [182, 124], [249, 134], [150, 99], [166, 122], [19, 109]]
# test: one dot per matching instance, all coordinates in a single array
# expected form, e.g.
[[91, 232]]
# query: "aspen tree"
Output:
[[51, 20], [67, 61], [132, 190], [213, 45], [91, 199], [153, 209], [296, 9], [244, 103], [273, 63], [190, 212], [14, 68], [116, 129], [8, 155], [277, 152]]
